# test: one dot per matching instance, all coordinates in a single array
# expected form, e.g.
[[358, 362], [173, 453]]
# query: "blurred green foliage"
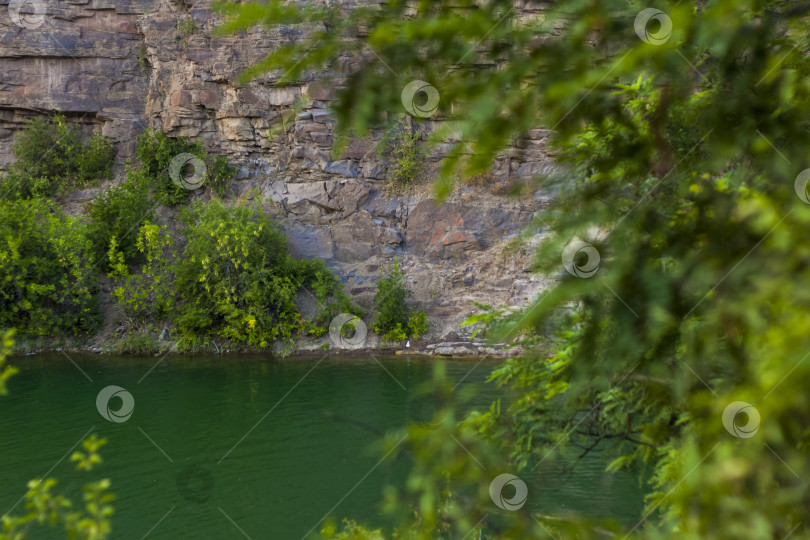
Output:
[[6, 371], [51, 158], [678, 155]]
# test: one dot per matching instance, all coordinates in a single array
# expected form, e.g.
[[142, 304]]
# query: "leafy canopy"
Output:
[[678, 157]]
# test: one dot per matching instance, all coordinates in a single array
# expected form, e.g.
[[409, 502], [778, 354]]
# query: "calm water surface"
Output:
[[219, 444]]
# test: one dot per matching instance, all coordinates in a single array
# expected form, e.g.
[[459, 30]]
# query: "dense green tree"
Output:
[[681, 135]]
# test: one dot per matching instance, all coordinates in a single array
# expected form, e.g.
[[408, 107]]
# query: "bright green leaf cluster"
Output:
[[47, 282]]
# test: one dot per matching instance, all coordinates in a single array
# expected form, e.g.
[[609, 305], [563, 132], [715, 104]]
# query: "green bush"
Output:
[[118, 213], [219, 172], [155, 151], [327, 289], [395, 334], [47, 279], [148, 296], [52, 159], [418, 324], [390, 299], [392, 312], [236, 279], [406, 164]]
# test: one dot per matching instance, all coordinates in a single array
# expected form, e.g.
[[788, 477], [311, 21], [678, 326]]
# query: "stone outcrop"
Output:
[[121, 66]]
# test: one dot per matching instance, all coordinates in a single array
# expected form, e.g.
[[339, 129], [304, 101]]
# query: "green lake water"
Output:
[[234, 447]]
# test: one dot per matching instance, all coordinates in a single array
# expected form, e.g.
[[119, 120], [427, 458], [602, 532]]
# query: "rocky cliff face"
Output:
[[123, 65]]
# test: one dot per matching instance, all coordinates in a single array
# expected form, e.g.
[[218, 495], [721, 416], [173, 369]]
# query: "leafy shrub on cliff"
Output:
[[236, 279], [155, 151], [47, 275], [390, 299], [147, 296], [327, 289], [406, 163], [418, 324], [219, 172], [392, 312], [52, 159], [118, 213]]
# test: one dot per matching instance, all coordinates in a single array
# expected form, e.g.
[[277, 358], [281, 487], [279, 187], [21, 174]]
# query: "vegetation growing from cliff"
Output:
[[52, 158], [393, 316], [406, 162], [117, 213], [683, 133], [236, 280], [50, 263], [155, 151], [327, 290], [48, 282], [148, 295]]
